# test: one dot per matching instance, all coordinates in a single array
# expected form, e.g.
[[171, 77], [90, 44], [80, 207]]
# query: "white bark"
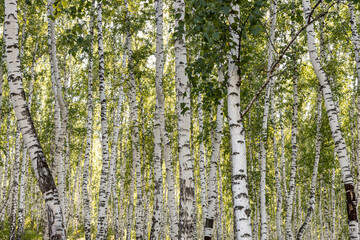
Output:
[[102, 210], [282, 158], [187, 213], [202, 161], [340, 144], [24, 120], [294, 147], [170, 182], [112, 170], [333, 201], [89, 131], [278, 218], [24, 164], [242, 219], [15, 187], [312, 199], [157, 219], [215, 157], [356, 42], [60, 124], [263, 151]]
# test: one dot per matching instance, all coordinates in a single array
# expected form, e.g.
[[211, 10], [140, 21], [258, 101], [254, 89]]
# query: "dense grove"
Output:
[[183, 119]]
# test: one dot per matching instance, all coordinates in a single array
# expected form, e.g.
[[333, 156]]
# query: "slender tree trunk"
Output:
[[356, 42], [112, 171], [278, 219], [294, 144], [157, 219], [24, 120], [24, 164], [15, 187], [89, 131], [60, 123], [263, 149], [6, 177], [215, 157], [187, 226], [333, 201], [282, 158], [170, 182], [311, 208], [1, 85], [102, 210], [334, 125], [202, 161], [241, 203]]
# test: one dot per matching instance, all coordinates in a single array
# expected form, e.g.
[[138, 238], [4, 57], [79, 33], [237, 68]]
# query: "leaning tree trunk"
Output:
[[89, 131], [214, 161], [24, 120], [187, 225], [241, 202], [157, 219], [311, 208], [102, 213], [340, 144]]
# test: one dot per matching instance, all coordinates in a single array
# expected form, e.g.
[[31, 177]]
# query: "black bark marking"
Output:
[[351, 200], [46, 181]]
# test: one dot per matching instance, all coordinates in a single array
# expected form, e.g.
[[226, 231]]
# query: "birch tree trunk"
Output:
[[202, 161], [187, 225], [24, 120], [215, 157], [89, 131], [60, 124], [278, 219], [356, 42], [6, 175], [102, 210], [263, 151], [15, 187], [170, 182], [294, 144], [24, 164], [1, 85], [135, 139], [282, 159], [157, 219], [135, 144], [334, 125], [112, 171], [311, 208], [242, 226]]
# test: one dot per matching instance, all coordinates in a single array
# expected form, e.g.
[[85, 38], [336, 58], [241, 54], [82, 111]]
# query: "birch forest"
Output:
[[179, 119]]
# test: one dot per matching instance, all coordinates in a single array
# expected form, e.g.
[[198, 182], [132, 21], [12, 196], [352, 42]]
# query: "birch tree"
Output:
[[60, 107], [157, 219], [187, 215], [311, 207], [102, 210], [89, 131], [24, 120], [214, 162], [242, 221], [263, 151], [334, 125]]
